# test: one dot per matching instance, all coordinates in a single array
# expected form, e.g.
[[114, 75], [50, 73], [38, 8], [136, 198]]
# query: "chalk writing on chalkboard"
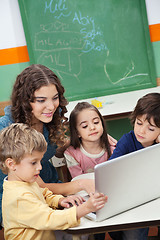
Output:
[[69, 44], [91, 45]]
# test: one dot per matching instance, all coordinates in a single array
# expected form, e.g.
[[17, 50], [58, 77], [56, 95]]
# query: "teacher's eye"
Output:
[[56, 98], [40, 100]]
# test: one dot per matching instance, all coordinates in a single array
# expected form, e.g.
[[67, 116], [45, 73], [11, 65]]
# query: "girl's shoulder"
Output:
[[71, 149]]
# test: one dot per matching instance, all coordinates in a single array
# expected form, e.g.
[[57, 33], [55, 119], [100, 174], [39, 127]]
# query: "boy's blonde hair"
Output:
[[17, 140]]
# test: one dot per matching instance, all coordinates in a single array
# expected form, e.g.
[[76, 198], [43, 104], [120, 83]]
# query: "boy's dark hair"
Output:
[[150, 106], [75, 140]]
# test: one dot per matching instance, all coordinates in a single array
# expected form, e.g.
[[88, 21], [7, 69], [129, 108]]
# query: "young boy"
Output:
[[29, 212], [146, 121]]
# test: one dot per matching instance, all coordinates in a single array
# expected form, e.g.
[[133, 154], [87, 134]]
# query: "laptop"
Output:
[[128, 181]]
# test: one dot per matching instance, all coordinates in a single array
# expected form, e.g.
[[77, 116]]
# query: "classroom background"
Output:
[[14, 54]]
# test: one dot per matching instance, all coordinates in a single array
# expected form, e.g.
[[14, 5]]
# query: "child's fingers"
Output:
[[91, 194], [100, 203], [98, 198], [65, 204], [112, 141], [99, 206], [79, 200], [74, 200], [97, 195]]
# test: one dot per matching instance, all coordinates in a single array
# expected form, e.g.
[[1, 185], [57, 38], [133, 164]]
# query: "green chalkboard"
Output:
[[96, 47]]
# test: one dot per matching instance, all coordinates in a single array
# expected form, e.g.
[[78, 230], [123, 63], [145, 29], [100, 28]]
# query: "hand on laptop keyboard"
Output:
[[95, 202]]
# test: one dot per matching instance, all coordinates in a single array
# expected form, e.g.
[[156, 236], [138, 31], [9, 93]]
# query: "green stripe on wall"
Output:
[[8, 74], [156, 52]]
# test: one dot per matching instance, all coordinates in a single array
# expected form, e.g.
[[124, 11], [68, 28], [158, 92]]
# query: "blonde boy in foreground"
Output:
[[30, 212]]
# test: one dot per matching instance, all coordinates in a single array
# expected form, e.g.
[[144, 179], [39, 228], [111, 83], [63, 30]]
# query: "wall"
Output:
[[14, 56], [13, 50], [153, 7]]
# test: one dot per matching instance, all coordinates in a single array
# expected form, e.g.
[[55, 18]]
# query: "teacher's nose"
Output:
[[50, 105]]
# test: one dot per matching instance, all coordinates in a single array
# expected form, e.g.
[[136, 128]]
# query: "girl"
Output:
[[89, 141]]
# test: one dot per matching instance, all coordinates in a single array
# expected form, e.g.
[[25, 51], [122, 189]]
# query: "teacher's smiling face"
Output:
[[46, 101]]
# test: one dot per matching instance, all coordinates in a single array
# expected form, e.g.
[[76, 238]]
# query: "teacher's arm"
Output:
[[69, 187]]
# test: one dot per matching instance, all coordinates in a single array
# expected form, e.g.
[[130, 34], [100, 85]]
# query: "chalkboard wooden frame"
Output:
[[91, 58]]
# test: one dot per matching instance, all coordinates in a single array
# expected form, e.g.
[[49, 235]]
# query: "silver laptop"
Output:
[[128, 181]]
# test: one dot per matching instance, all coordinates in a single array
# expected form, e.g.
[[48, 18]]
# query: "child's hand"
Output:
[[158, 139], [112, 141], [69, 201], [94, 203]]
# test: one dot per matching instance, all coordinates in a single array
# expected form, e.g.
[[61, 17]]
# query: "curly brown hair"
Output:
[[27, 82]]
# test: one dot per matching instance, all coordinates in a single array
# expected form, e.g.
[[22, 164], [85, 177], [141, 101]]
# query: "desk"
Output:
[[146, 215], [118, 105], [139, 217]]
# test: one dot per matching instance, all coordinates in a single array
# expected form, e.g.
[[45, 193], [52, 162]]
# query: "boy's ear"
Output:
[[10, 163], [158, 139]]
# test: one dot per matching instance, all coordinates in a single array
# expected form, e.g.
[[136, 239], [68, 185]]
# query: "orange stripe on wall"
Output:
[[14, 55], [154, 32]]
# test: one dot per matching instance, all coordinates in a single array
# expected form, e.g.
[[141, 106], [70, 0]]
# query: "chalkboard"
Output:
[[96, 47]]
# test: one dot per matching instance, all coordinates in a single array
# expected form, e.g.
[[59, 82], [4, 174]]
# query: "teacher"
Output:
[[38, 100]]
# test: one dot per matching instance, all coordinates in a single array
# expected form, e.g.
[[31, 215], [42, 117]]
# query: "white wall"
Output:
[[12, 34], [153, 11]]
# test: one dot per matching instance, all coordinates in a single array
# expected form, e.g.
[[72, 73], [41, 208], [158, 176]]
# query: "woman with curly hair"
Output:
[[38, 100]]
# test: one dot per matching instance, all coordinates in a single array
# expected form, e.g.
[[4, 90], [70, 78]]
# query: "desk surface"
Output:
[[117, 105], [145, 215]]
